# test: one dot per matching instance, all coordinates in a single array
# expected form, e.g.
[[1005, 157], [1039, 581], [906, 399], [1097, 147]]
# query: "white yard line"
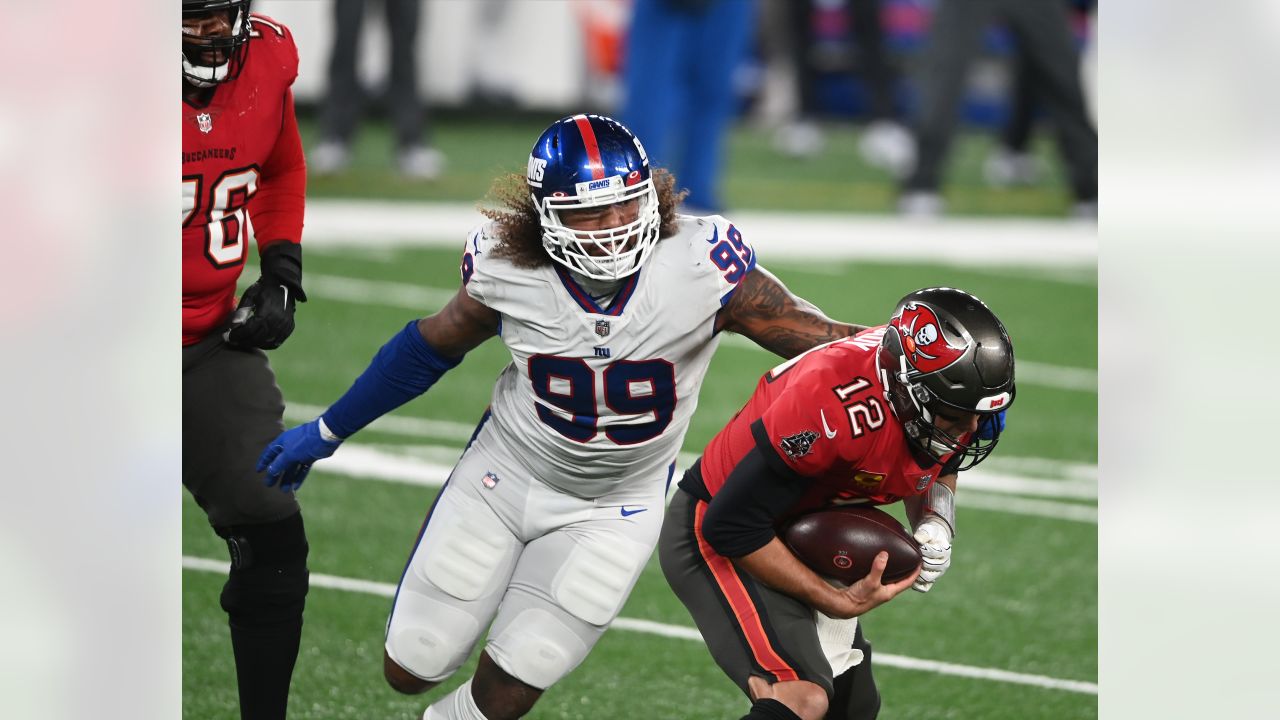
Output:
[[1030, 373], [1005, 242], [999, 493], [368, 587], [422, 429], [424, 299]]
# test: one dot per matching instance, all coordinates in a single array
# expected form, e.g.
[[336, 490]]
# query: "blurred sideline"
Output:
[[1018, 242]]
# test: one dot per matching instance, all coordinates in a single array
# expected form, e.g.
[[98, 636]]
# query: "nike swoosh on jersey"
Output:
[[715, 235], [628, 512], [826, 428]]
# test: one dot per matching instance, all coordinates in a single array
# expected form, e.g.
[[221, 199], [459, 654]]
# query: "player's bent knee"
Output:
[[427, 638], [268, 582], [402, 680], [805, 699], [537, 648]]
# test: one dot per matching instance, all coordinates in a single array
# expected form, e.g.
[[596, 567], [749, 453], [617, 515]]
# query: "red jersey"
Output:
[[243, 172], [825, 415]]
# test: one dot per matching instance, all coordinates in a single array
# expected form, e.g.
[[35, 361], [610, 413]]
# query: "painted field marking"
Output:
[[387, 590], [360, 461], [423, 300], [960, 242]]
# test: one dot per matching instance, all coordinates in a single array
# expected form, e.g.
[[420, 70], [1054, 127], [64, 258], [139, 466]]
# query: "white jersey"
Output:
[[597, 396]]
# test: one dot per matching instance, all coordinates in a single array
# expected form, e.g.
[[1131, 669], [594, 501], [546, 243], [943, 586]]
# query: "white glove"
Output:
[[935, 546]]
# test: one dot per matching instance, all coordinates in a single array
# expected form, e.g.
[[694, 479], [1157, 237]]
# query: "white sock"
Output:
[[457, 705]]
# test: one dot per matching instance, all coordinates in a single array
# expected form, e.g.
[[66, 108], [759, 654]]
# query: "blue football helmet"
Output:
[[211, 59], [585, 161]]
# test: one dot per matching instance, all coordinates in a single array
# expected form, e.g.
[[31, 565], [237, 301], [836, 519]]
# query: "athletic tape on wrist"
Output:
[[325, 433], [941, 501]]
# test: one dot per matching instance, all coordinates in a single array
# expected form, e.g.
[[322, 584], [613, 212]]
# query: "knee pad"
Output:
[[537, 648], [268, 580], [428, 638]]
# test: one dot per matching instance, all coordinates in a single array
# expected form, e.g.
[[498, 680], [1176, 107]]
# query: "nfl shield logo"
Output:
[[923, 482], [205, 121], [602, 328], [489, 480]]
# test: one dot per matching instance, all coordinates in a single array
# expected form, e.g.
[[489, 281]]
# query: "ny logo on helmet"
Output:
[[922, 340]]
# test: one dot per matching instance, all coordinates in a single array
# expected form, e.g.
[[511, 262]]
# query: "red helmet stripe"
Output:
[[593, 148]]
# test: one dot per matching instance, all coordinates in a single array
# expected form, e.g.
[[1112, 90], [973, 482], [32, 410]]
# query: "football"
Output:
[[840, 543]]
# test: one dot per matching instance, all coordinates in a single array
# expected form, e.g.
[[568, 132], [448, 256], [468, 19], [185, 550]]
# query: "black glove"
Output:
[[264, 317]]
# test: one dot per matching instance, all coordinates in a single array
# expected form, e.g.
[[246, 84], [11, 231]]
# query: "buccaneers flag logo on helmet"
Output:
[[926, 348]]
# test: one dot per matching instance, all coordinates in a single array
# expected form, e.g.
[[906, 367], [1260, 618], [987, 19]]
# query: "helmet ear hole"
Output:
[[921, 395]]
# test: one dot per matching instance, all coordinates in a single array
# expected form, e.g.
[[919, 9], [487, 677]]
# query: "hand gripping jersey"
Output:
[[596, 395], [242, 172], [825, 416]]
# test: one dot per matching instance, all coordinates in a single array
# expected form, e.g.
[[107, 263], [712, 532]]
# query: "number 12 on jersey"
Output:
[[865, 414]]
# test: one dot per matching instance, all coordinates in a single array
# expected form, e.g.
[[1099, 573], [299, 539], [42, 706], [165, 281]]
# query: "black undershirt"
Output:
[[760, 489]]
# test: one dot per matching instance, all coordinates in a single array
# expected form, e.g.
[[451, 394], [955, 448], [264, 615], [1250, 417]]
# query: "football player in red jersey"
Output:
[[243, 178], [890, 414]]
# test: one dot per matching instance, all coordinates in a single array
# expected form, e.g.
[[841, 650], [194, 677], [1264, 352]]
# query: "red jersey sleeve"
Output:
[[278, 207]]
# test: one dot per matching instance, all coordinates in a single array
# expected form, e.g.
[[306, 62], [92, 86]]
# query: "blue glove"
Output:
[[288, 458], [990, 425]]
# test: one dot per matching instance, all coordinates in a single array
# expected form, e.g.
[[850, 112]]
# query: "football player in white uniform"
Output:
[[611, 305]]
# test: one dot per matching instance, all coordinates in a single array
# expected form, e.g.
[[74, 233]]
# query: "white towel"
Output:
[[836, 637]]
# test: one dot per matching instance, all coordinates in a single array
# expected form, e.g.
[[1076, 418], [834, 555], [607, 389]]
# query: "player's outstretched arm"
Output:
[[763, 309], [406, 366]]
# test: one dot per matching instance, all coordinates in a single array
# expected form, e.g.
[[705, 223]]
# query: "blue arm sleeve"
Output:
[[402, 370]]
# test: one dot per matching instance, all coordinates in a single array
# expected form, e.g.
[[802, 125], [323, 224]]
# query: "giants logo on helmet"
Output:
[[537, 166], [922, 340]]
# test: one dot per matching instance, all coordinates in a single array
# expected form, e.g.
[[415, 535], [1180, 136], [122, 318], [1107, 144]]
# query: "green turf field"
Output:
[[755, 175], [1021, 596]]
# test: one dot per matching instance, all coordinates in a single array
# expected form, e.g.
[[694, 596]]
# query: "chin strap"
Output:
[[941, 502]]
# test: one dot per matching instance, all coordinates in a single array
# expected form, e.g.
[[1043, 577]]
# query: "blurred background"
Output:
[[99, 614], [778, 104], [865, 148]]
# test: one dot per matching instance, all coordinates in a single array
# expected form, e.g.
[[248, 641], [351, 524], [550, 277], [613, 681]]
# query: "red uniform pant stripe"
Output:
[[744, 610]]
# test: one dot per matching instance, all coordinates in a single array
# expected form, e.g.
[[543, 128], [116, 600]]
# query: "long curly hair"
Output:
[[520, 230]]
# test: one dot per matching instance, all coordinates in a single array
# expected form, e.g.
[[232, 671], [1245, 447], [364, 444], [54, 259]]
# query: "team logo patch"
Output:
[[489, 480], [205, 122], [603, 328], [926, 348], [923, 482], [867, 480], [798, 445]]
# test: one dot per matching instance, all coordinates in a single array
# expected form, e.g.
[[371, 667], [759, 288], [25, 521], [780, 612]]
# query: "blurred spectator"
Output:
[[679, 90], [1011, 162], [1042, 31], [345, 99], [885, 142]]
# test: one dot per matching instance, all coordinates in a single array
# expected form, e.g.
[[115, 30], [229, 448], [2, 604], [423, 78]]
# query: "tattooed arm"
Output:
[[764, 310]]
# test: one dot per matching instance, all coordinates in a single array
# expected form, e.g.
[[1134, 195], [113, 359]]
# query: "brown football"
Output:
[[840, 543]]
